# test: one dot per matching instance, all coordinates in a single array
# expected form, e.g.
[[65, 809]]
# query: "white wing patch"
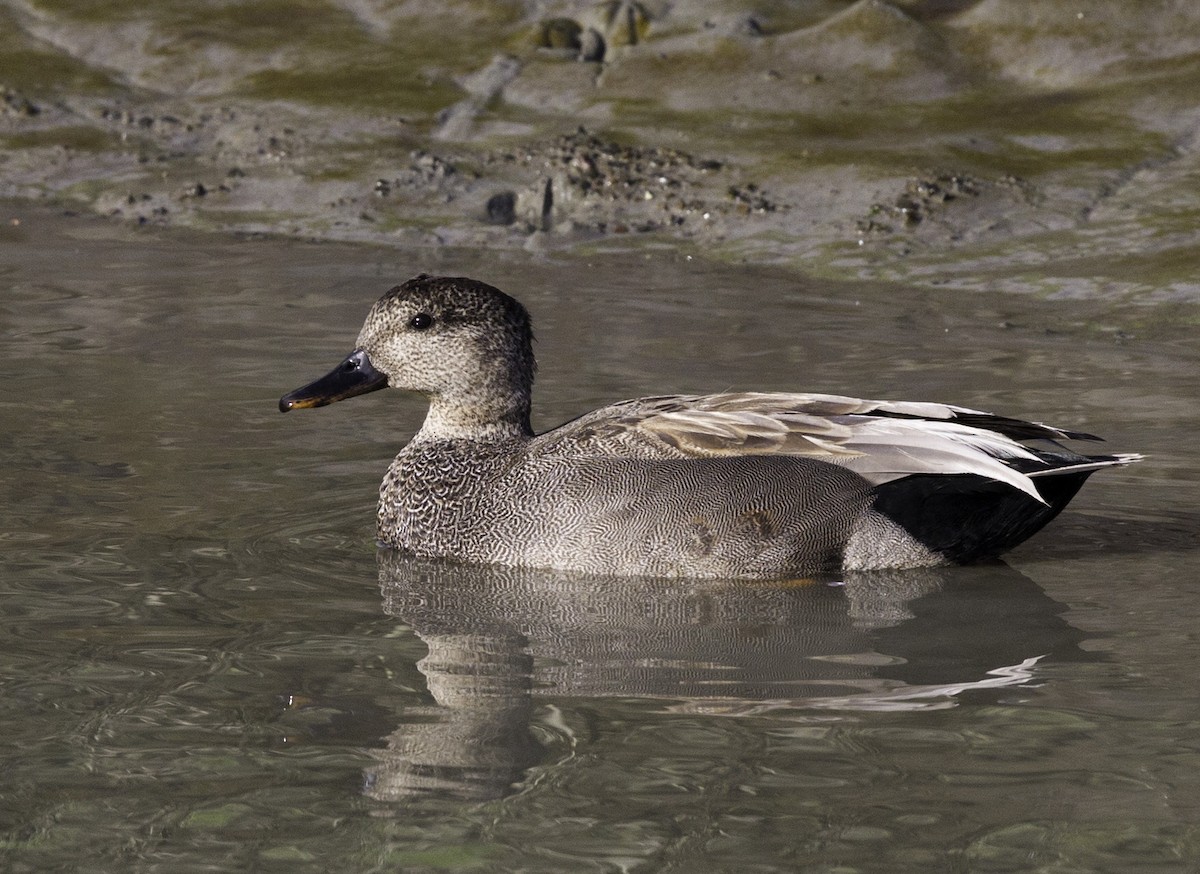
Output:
[[895, 448]]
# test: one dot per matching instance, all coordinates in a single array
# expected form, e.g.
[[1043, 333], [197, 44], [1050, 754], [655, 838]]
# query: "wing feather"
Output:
[[879, 440]]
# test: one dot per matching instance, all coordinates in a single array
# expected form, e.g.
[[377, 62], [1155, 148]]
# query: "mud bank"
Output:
[[998, 145]]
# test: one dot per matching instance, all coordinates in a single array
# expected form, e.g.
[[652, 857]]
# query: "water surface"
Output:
[[206, 666]]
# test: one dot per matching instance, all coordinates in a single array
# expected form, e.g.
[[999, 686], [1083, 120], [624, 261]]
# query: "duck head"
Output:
[[463, 344]]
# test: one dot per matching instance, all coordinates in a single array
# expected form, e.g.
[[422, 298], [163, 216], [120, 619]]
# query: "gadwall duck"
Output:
[[741, 485]]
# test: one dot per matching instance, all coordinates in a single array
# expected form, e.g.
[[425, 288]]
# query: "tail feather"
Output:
[[1093, 463]]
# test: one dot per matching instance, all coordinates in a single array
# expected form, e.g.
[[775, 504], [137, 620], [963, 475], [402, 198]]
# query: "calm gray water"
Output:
[[206, 666]]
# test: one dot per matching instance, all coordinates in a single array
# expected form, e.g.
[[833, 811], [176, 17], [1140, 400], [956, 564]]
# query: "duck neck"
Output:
[[491, 422]]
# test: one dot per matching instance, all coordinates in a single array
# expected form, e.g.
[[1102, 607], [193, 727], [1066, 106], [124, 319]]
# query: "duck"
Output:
[[738, 485]]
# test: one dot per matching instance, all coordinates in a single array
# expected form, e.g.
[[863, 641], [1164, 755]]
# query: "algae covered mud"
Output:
[[1010, 144]]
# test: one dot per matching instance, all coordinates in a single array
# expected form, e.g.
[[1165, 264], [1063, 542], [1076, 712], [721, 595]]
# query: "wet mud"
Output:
[[922, 141]]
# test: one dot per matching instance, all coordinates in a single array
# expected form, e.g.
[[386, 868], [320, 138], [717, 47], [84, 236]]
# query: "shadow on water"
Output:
[[500, 638]]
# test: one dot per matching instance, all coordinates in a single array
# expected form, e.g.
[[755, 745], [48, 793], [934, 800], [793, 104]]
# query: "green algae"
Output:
[[78, 137], [380, 87]]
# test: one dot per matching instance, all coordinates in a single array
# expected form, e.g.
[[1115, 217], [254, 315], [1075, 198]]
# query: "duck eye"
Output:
[[420, 321]]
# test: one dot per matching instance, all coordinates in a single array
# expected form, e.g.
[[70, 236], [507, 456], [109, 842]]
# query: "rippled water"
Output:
[[206, 666]]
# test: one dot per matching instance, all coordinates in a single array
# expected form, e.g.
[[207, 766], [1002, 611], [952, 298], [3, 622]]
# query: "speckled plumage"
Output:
[[730, 485]]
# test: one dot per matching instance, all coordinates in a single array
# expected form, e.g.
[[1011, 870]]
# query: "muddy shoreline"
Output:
[[956, 144]]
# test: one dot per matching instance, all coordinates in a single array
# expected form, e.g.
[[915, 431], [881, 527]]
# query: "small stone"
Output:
[[502, 208], [559, 33], [591, 46]]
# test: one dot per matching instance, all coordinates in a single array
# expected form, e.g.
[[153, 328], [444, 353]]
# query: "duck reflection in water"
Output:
[[504, 642]]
